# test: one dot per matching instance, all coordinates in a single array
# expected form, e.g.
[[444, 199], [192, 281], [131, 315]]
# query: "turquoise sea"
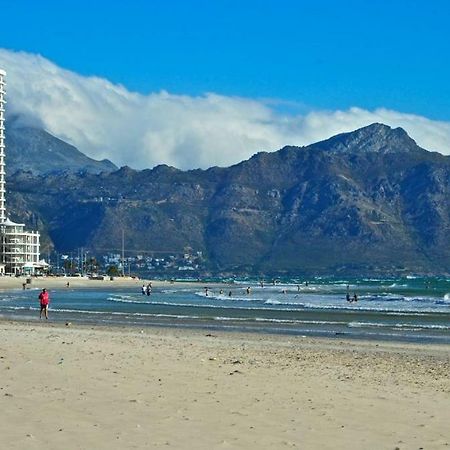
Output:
[[407, 309]]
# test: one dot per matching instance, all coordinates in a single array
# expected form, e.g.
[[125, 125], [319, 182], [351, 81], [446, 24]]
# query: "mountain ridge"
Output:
[[40, 152], [322, 208]]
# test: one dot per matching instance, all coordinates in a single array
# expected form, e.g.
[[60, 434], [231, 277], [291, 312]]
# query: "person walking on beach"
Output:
[[144, 289], [44, 300]]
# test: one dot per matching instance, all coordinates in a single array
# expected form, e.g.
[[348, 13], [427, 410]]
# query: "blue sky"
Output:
[[315, 54]]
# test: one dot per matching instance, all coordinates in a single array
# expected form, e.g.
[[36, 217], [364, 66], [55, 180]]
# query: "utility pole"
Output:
[[123, 252]]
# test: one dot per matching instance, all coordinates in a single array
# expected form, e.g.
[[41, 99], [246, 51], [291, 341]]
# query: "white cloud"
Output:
[[105, 120]]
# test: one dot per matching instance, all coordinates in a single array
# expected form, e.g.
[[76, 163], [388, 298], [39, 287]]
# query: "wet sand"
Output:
[[97, 388]]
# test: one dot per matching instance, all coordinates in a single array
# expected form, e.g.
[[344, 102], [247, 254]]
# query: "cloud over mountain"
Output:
[[105, 120]]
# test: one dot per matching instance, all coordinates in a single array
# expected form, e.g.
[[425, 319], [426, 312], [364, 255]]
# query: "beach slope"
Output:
[[98, 388]]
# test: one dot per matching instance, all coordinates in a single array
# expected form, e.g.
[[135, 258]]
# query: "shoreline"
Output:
[[308, 322], [214, 327], [281, 339], [118, 388], [8, 283]]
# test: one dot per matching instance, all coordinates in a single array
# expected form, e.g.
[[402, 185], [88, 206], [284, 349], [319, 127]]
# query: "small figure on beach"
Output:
[[355, 297], [149, 289], [261, 283], [206, 291], [24, 286], [229, 294], [44, 301], [348, 297], [67, 284], [144, 289], [298, 288], [248, 290], [221, 292]]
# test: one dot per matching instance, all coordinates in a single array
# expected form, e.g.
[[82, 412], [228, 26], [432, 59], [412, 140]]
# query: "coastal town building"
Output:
[[19, 249]]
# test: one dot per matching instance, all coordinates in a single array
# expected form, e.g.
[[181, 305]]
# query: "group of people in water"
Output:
[[220, 292], [248, 291]]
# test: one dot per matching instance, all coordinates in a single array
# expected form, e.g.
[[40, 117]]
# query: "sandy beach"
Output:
[[75, 282], [80, 387], [7, 283]]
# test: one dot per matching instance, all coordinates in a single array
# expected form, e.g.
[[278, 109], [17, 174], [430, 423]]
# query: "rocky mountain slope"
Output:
[[366, 201], [36, 150]]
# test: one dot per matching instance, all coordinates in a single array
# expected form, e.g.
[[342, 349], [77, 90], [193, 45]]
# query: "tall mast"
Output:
[[123, 252]]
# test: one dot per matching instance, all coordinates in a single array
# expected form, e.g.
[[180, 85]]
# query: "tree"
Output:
[[113, 271], [92, 265], [69, 266]]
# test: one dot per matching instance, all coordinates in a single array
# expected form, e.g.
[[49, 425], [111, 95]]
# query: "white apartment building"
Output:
[[19, 249]]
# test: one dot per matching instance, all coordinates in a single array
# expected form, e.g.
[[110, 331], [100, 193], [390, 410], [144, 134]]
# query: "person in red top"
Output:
[[44, 300]]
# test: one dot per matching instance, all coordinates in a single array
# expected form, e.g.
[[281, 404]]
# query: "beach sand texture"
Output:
[[97, 388], [75, 282]]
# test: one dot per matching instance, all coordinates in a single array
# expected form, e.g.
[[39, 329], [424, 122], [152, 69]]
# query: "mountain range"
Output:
[[368, 201], [37, 151]]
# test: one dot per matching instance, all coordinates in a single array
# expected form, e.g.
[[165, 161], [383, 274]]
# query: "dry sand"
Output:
[[61, 282], [7, 283], [98, 388]]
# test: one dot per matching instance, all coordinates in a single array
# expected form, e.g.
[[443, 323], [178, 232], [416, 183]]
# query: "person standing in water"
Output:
[[44, 301]]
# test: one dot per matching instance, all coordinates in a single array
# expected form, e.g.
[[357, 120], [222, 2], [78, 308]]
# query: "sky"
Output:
[[199, 83]]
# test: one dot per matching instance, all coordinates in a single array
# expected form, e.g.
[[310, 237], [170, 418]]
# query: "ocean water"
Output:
[[406, 309]]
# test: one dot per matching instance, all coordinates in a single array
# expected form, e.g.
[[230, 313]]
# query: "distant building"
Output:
[[19, 249]]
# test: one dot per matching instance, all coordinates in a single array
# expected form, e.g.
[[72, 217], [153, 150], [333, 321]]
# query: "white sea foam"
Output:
[[417, 326], [361, 307], [296, 321]]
